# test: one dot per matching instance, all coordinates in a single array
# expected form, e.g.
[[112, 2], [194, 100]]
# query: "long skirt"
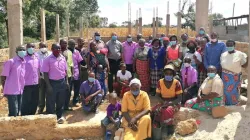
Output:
[[231, 83], [155, 76], [144, 129], [206, 105], [119, 89], [202, 77], [142, 70], [164, 115]]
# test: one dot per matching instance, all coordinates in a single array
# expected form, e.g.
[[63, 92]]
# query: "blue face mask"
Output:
[[173, 43], [169, 78], [114, 38], [230, 49], [135, 93], [211, 75], [201, 32], [91, 79], [30, 50], [129, 39], [21, 54], [97, 38]]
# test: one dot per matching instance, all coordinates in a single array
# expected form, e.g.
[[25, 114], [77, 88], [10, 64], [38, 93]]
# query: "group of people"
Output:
[[200, 74]]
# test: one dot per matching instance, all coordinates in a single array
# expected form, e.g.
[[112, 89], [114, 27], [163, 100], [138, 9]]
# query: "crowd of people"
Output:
[[200, 73]]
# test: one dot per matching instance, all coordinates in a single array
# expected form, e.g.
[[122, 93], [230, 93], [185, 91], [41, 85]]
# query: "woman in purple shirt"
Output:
[[13, 74]]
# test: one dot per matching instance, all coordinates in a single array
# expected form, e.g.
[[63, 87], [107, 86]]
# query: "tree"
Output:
[[104, 21], [94, 21], [189, 17], [216, 16], [113, 25]]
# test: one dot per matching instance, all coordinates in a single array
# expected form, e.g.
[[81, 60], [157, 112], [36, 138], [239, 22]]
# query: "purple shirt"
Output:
[[55, 67], [128, 51], [32, 67], [113, 110], [14, 70], [77, 58], [86, 89], [191, 75]]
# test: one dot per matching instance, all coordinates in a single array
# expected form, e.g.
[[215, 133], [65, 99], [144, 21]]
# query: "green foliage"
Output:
[[113, 25], [29, 39], [32, 19]]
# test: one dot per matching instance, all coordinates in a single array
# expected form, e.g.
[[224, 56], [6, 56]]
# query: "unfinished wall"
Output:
[[44, 127]]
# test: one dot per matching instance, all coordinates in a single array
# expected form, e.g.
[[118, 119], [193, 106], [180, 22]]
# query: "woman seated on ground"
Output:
[[135, 111], [169, 93], [123, 78], [91, 94], [232, 62], [210, 93]]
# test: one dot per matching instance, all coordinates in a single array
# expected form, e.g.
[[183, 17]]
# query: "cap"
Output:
[[170, 67], [135, 81]]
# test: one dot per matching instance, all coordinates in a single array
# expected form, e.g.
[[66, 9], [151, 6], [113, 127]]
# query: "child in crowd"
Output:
[[189, 80], [123, 78], [101, 75], [113, 117]]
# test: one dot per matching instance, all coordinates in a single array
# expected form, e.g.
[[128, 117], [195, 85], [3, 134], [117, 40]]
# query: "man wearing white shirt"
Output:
[[43, 53]]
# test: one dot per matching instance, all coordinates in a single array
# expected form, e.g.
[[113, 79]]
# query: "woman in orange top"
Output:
[[135, 111], [174, 51], [169, 92]]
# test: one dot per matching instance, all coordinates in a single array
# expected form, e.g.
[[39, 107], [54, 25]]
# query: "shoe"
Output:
[[61, 120], [68, 109]]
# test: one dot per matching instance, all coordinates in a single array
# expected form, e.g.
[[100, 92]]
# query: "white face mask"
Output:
[[186, 65], [43, 50], [214, 40]]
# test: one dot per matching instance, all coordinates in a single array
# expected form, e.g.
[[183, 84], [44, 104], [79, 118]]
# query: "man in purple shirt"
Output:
[[55, 76], [12, 79], [31, 89], [128, 51], [189, 79], [77, 58], [91, 94]]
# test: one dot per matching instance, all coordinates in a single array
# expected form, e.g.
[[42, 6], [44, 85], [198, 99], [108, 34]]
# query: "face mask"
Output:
[[129, 39], [155, 47], [230, 49], [91, 79], [184, 41], [169, 78], [173, 43], [30, 50], [43, 50], [114, 38], [211, 75], [187, 65], [21, 54], [191, 49], [202, 32], [56, 53], [135, 93], [150, 41], [214, 40], [97, 38]]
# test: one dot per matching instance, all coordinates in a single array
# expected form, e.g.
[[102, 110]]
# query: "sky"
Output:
[[117, 10]]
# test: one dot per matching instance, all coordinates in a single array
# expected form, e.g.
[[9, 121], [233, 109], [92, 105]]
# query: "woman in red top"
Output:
[[174, 50], [201, 69]]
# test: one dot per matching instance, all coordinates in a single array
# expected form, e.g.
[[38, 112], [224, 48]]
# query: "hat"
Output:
[[169, 67], [135, 81], [176, 63], [165, 38]]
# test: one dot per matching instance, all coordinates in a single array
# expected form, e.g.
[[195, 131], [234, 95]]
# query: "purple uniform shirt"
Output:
[[191, 75], [14, 70], [32, 67], [77, 58], [55, 67], [128, 51], [113, 110], [87, 90]]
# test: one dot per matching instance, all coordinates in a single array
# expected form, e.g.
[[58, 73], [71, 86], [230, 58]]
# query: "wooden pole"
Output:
[[248, 75], [57, 28], [68, 27], [43, 26]]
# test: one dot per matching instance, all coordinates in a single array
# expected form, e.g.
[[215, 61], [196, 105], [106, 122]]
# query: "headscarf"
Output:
[[135, 81]]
